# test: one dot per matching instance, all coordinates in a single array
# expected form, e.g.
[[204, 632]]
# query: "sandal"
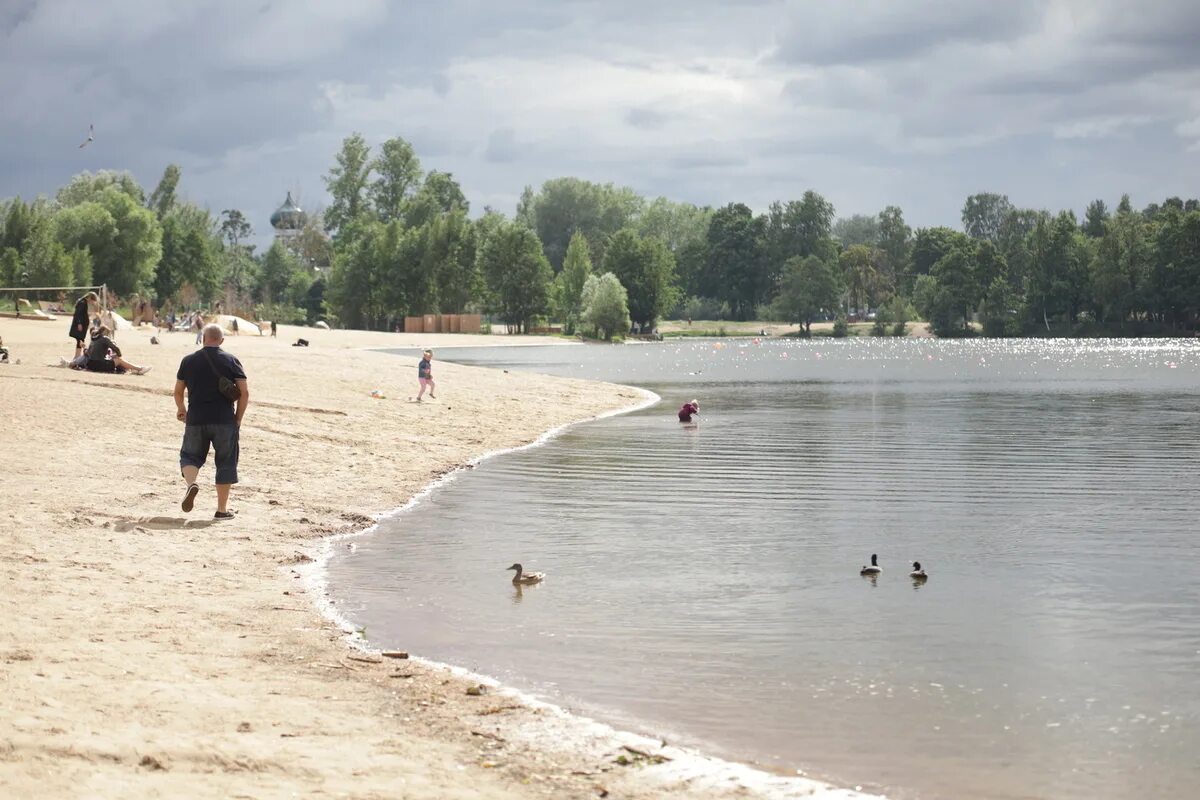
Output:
[[189, 497]]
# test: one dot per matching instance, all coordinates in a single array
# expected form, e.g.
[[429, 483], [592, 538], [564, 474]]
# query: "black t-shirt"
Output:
[[206, 405]]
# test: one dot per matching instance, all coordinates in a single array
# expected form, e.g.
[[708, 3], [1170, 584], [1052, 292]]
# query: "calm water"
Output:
[[703, 582]]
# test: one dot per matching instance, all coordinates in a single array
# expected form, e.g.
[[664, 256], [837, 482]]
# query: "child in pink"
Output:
[[425, 375]]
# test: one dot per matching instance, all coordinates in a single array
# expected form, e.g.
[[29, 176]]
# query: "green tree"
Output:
[[677, 225], [276, 272], [958, 293], [46, 262], [857, 229], [17, 224], [439, 194], [1121, 266], [567, 205], [1001, 313], [983, 215], [126, 261], [451, 242], [860, 274], [189, 256], [568, 285], [398, 171], [518, 274], [87, 186], [931, 245], [605, 309], [989, 265], [736, 267], [10, 266], [895, 240], [1094, 219], [646, 268], [347, 183], [810, 287], [162, 199], [235, 227]]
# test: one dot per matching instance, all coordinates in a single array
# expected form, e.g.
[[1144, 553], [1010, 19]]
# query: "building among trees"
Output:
[[288, 221]]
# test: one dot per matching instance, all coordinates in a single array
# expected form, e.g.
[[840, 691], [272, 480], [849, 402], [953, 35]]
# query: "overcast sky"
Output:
[[916, 103]]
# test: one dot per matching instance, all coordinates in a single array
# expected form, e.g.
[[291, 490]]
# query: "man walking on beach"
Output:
[[210, 417]]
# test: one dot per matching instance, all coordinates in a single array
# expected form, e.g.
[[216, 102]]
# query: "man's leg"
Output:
[[192, 455], [226, 451], [223, 496]]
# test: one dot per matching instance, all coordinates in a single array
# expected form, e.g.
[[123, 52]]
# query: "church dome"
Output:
[[288, 216]]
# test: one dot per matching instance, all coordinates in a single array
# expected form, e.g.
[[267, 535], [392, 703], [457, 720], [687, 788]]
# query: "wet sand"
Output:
[[145, 652]]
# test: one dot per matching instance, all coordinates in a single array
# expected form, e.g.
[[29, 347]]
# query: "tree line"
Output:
[[397, 240], [104, 228]]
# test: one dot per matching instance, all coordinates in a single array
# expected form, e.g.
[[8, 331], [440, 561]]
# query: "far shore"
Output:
[[145, 652]]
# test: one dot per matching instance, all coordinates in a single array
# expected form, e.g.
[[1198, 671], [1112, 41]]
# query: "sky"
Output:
[[869, 102]]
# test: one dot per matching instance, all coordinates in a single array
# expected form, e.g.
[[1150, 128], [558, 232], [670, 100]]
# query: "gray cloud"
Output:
[[872, 102]]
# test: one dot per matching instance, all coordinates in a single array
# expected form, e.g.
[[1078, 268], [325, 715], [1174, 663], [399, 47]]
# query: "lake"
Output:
[[703, 582]]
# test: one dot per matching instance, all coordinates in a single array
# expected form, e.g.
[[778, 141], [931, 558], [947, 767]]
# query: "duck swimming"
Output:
[[526, 578], [874, 569], [917, 573]]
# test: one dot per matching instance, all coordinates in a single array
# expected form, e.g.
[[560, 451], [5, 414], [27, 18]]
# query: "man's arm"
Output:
[[244, 400], [180, 410]]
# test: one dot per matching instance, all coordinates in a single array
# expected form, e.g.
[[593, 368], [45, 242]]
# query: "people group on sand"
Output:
[[103, 355], [425, 375], [217, 395]]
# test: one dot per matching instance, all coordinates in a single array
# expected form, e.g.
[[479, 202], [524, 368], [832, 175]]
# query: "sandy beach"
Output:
[[149, 653]]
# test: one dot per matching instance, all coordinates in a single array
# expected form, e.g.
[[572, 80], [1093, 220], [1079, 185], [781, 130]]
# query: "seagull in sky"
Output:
[[91, 130]]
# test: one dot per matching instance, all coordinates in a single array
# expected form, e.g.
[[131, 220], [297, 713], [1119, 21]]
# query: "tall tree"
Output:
[[857, 229], [517, 273], [646, 269], [439, 194], [347, 182], [983, 215], [810, 287], [87, 186], [398, 172], [275, 273], [1121, 266], [235, 227], [162, 199], [567, 205], [1094, 219], [931, 245], [568, 286], [895, 240], [860, 274], [605, 306], [736, 269]]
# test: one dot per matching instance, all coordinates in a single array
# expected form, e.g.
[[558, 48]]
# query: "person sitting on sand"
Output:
[[688, 409], [425, 375], [104, 356]]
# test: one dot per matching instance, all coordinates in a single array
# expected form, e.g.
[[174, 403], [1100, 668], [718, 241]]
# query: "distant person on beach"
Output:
[[104, 356], [84, 308], [210, 418], [425, 375], [198, 325], [687, 410], [274, 329]]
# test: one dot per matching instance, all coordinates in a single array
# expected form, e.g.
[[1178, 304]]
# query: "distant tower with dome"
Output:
[[288, 220]]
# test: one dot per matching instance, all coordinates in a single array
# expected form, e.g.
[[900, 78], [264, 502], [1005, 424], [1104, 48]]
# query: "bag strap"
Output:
[[211, 365]]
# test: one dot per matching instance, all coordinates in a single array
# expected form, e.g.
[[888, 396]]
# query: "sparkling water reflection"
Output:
[[703, 582]]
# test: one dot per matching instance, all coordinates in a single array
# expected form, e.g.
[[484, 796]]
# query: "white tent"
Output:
[[115, 321], [244, 325]]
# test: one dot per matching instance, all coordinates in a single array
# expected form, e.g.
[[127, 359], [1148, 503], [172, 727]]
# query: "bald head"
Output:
[[213, 334]]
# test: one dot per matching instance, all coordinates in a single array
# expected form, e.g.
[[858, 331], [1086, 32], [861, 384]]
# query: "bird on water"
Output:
[[874, 569], [526, 578], [917, 572]]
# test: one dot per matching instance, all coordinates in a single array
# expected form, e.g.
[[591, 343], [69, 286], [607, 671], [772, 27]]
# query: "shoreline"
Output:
[[149, 654], [573, 730]]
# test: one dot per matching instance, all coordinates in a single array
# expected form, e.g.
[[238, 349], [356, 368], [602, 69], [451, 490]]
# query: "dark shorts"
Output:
[[103, 366], [224, 440]]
